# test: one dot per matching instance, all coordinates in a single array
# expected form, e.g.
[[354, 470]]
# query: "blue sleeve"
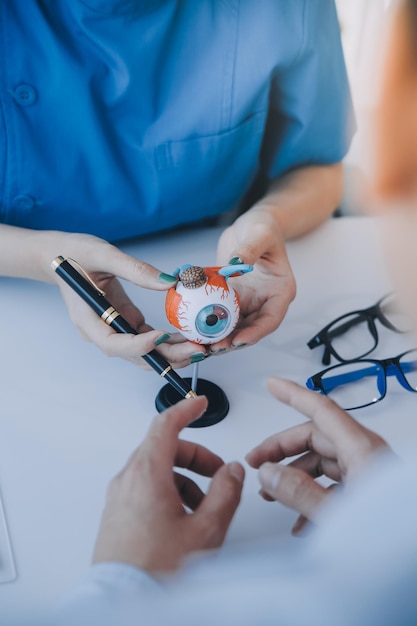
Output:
[[311, 119]]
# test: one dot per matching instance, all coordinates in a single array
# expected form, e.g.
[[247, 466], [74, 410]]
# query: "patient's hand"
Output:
[[331, 444], [145, 521]]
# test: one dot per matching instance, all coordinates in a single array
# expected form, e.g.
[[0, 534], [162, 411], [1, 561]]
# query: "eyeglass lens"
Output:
[[353, 385], [361, 383], [408, 365], [355, 334]]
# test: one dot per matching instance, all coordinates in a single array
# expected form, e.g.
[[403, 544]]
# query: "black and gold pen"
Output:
[[94, 297]]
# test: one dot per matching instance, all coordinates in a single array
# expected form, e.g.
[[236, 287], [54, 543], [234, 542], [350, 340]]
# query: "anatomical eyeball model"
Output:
[[202, 305]]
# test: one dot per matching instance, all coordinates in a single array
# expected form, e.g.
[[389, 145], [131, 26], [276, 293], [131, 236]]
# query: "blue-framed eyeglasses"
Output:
[[355, 334], [361, 383]]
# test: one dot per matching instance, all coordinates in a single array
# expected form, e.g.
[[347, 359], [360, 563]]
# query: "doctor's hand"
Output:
[[266, 292], [105, 264], [147, 520], [331, 444]]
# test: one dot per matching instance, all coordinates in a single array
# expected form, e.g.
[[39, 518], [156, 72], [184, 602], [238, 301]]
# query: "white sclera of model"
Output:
[[203, 306]]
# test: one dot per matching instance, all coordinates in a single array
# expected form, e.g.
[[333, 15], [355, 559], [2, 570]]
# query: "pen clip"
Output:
[[86, 276]]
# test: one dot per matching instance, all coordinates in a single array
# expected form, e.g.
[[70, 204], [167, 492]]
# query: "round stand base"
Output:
[[218, 404]]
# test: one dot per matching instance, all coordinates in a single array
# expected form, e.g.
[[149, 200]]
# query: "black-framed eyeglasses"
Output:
[[355, 334], [363, 382]]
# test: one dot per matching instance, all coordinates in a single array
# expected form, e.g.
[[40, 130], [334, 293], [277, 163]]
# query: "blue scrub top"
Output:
[[126, 117]]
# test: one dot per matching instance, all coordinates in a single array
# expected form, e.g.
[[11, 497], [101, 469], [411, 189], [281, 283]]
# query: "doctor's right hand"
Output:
[[105, 264]]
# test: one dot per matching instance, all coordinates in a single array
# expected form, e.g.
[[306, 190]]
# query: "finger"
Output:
[[281, 445], [316, 465], [178, 353], [131, 347], [291, 442], [292, 487], [190, 493], [339, 427], [181, 354], [197, 458], [255, 326], [217, 509], [111, 259], [160, 445], [111, 343], [300, 526], [266, 496], [176, 338], [302, 523], [258, 239], [262, 322], [121, 301]]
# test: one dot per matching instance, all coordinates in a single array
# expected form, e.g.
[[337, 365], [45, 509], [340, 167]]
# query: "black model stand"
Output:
[[218, 404]]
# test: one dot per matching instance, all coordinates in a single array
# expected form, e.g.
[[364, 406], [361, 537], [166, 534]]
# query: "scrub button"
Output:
[[25, 95], [24, 202]]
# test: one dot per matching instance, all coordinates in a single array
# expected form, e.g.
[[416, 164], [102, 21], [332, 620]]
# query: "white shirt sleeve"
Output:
[[111, 593], [358, 567]]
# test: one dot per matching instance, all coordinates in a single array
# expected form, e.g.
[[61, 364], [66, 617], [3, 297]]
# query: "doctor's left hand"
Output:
[[266, 292], [145, 522]]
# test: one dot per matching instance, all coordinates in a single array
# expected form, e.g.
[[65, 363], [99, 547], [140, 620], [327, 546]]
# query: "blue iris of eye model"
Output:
[[213, 320]]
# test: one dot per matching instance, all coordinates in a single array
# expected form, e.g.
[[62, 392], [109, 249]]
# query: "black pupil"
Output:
[[212, 320]]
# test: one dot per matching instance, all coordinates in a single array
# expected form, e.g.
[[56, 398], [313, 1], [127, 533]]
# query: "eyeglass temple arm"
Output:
[[411, 366], [317, 384]]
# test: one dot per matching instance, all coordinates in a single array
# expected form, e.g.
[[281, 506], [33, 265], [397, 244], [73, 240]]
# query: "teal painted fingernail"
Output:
[[167, 278], [162, 339], [214, 352], [198, 356], [239, 345], [236, 261]]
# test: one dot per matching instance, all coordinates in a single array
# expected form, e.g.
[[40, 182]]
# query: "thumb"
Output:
[[216, 511], [258, 239], [292, 487], [247, 254]]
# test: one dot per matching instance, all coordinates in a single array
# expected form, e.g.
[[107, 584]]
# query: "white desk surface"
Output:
[[70, 417]]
